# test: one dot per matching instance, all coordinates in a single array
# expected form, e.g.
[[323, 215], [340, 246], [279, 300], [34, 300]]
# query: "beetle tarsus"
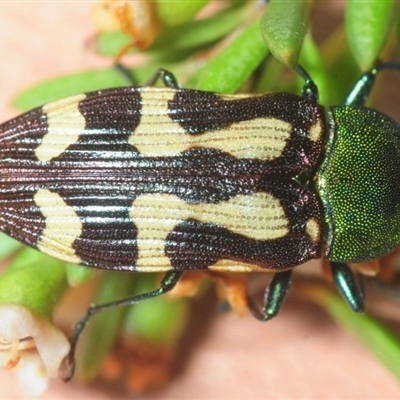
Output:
[[274, 296], [347, 285], [167, 77]]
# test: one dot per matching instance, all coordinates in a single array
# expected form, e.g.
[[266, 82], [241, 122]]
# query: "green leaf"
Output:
[[110, 43], [188, 36], [283, 27], [35, 281], [68, 85], [228, 70], [79, 82], [158, 320], [102, 332], [177, 12], [313, 63], [368, 24], [200, 32]]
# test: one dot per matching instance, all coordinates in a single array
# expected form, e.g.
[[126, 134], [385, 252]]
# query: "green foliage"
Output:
[[100, 336], [283, 27], [149, 318], [368, 25], [35, 281], [179, 11]]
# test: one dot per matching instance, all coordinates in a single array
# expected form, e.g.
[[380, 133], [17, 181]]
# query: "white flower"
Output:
[[30, 345]]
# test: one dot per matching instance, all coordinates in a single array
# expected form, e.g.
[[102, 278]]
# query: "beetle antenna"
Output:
[[362, 89]]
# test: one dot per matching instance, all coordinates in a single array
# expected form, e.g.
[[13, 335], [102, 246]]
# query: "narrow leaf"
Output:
[[177, 12], [227, 71], [283, 27], [368, 24]]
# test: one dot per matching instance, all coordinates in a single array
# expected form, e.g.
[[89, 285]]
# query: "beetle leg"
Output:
[[274, 296], [167, 284], [166, 76], [310, 89], [126, 73], [348, 286]]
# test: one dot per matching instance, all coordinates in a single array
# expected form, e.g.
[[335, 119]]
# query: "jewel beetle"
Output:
[[169, 179]]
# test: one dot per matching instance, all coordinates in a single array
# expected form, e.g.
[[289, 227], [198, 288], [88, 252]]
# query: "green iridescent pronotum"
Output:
[[357, 184]]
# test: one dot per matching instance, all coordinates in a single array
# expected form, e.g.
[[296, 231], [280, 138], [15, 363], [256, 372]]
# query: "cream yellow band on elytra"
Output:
[[63, 226], [258, 216], [316, 131], [159, 136], [313, 230], [65, 125]]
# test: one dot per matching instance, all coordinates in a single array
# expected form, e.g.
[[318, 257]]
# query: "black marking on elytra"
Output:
[[188, 250], [198, 112], [110, 120], [19, 215], [20, 137], [101, 175], [108, 236]]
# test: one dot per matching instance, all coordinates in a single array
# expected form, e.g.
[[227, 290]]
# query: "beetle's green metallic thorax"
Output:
[[358, 184]]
